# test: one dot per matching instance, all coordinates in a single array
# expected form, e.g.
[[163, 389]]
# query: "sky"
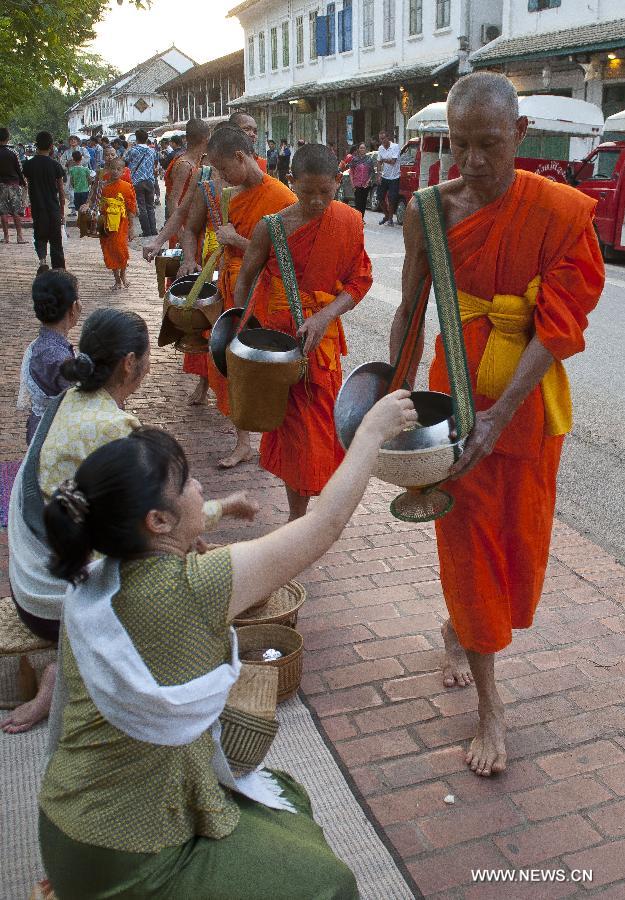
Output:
[[127, 36]]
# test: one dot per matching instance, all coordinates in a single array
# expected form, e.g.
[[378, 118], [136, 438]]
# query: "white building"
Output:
[[132, 100], [571, 47], [339, 72]]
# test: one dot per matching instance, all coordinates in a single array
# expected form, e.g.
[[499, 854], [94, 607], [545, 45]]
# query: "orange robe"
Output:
[[115, 245], [494, 545], [329, 257], [245, 212]]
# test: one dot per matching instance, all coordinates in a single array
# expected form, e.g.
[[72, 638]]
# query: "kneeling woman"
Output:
[[137, 800]]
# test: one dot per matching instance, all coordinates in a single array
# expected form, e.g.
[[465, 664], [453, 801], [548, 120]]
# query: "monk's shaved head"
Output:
[[486, 91], [314, 159], [197, 130], [227, 139]]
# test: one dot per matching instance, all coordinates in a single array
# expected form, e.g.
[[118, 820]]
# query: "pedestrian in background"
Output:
[[284, 160], [141, 160], [79, 178], [45, 177], [11, 185], [95, 153], [272, 158], [361, 173], [388, 177], [66, 161]]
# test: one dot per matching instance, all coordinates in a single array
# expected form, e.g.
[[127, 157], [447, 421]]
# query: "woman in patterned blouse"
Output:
[[138, 799]]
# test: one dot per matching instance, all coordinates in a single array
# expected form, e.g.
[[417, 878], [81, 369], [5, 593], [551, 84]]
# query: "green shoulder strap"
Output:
[[431, 210], [277, 234]]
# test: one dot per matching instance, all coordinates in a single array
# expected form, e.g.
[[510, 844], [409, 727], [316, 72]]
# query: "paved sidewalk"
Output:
[[373, 653]]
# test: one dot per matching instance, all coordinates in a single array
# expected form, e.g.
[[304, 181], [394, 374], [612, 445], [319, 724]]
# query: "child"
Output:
[[55, 298], [118, 202], [79, 176], [325, 240]]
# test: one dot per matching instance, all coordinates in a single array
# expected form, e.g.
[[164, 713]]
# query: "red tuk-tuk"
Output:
[[602, 176]]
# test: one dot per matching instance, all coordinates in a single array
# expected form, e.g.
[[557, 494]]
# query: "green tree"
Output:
[[40, 46], [46, 109]]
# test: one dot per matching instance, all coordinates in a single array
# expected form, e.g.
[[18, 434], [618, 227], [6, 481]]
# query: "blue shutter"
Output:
[[347, 25], [331, 18], [532, 6], [322, 36], [341, 33]]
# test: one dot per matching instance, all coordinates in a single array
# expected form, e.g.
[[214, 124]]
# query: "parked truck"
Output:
[[601, 175]]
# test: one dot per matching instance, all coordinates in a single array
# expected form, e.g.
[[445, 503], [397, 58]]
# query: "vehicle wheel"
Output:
[[607, 252], [373, 199], [400, 212]]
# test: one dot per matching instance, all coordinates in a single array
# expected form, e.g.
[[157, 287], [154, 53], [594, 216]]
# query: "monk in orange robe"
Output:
[[256, 194], [528, 271], [248, 124], [333, 273], [117, 197]]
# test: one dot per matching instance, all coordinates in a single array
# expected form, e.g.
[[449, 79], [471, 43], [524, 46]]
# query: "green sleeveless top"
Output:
[[104, 788]]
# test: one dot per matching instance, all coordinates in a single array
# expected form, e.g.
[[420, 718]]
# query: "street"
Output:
[[592, 481]]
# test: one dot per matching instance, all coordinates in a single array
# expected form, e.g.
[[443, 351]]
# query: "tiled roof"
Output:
[[600, 36], [374, 79], [148, 79], [211, 67]]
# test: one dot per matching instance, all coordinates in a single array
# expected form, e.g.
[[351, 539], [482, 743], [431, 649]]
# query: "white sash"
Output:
[[127, 695]]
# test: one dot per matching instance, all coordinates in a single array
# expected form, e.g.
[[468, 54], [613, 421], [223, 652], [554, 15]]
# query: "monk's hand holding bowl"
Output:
[[151, 248], [480, 443], [314, 329]]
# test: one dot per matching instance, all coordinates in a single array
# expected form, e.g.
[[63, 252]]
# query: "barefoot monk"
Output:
[[528, 270], [256, 194], [332, 272]]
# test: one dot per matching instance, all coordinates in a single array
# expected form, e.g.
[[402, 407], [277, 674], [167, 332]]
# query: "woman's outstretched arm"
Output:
[[265, 564]]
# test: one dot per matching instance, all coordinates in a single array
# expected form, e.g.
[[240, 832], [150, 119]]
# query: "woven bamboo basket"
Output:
[[281, 608], [278, 637], [248, 722]]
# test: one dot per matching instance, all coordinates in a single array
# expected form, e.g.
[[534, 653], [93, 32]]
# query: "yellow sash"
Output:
[[311, 303], [114, 209], [512, 319]]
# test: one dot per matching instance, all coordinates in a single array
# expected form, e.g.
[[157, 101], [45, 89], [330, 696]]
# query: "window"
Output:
[[261, 53], [299, 40], [274, 48], [537, 5], [285, 44], [367, 23], [345, 27], [331, 26], [312, 34], [442, 13], [250, 55], [415, 17], [388, 20]]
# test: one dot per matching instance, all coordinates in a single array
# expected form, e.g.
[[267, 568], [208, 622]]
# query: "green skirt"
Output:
[[270, 855]]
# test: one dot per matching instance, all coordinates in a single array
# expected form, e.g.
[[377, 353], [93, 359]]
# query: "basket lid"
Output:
[[279, 605]]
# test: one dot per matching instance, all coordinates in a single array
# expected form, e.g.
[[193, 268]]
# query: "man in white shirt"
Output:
[[388, 177]]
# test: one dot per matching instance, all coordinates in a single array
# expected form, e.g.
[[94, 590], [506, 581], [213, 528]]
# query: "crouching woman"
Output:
[[138, 799]]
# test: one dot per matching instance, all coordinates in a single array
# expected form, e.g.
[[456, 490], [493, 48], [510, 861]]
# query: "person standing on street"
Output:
[[11, 184], [284, 160], [67, 160], [388, 177], [528, 271], [45, 177], [141, 160], [272, 158], [361, 172], [95, 153]]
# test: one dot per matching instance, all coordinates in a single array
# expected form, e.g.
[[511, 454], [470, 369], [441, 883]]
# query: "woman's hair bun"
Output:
[[83, 366], [54, 293]]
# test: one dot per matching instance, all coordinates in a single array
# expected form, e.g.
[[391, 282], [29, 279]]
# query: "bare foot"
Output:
[[241, 453], [487, 753], [124, 280], [116, 286], [456, 669], [198, 397], [29, 714]]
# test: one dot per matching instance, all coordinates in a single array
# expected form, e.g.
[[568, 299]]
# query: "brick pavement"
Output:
[[373, 652]]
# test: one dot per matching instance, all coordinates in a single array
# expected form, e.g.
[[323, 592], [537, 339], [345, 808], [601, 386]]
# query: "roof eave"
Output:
[[478, 61]]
